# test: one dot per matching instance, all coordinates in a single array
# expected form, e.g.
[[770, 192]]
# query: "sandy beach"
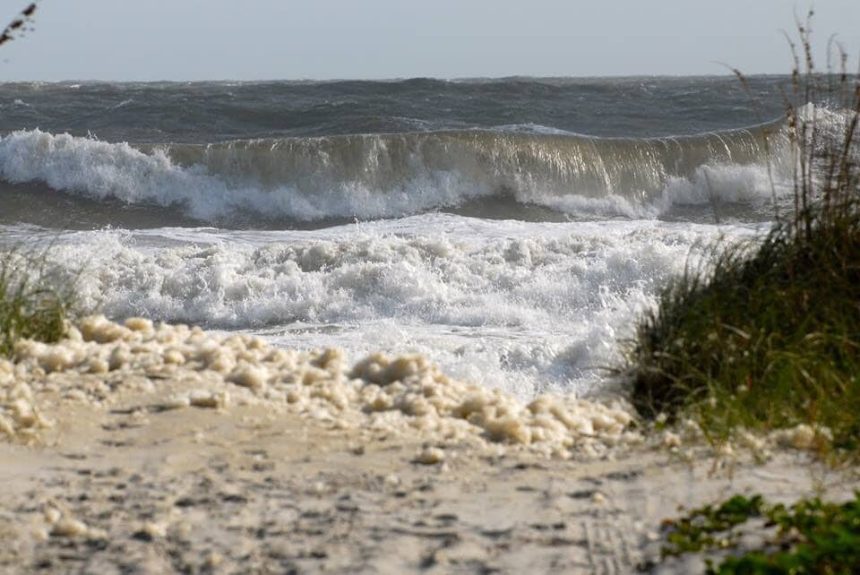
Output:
[[152, 477]]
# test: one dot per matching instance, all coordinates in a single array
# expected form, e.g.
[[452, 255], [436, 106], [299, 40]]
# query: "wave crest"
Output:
[[390, 175]]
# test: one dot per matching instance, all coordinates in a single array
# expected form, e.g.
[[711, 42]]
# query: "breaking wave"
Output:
[[392, 175]]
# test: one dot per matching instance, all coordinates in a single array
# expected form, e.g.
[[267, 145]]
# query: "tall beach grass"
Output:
[[35, 302], [767, 335]]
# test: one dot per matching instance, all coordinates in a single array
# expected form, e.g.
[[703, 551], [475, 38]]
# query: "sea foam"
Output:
[[102, 363], [523, 306]]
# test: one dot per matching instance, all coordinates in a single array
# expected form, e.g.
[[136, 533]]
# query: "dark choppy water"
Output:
[[217, 112]]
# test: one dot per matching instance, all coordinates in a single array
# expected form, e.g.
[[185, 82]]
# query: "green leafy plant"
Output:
[[809, 537]]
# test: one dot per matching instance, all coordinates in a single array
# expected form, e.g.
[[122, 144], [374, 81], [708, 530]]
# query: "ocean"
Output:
[[511, 230]]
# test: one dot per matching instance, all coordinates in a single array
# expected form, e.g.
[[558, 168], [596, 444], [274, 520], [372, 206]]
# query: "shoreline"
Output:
[[134, 469]]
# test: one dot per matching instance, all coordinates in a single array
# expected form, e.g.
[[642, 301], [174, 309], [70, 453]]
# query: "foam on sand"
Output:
[[380, 395]]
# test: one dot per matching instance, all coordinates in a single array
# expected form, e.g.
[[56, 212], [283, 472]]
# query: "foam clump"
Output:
[[19, 414], [379, 395], [430, 456], [802, 437]]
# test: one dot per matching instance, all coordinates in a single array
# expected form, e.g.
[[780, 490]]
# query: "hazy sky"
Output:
[[324, 39]]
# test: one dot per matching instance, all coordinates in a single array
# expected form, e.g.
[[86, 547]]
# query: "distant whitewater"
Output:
[[510, 229]]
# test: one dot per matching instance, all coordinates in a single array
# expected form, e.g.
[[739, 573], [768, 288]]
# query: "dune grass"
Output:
[[33, 303], [767, 336]]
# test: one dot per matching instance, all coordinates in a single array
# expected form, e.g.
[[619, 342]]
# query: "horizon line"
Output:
[[395, 79]]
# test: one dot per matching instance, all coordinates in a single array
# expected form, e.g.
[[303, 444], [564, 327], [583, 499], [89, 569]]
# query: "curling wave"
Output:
[[391, 175]]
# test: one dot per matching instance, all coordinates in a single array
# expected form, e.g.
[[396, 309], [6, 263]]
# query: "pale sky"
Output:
[[375, 39]]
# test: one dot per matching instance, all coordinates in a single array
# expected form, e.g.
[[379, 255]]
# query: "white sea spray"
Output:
[[520, 306]]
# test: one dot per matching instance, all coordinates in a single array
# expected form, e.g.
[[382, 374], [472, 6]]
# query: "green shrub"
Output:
[[809, 537]]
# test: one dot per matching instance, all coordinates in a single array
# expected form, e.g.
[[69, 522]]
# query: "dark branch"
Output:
[[16, 26]]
